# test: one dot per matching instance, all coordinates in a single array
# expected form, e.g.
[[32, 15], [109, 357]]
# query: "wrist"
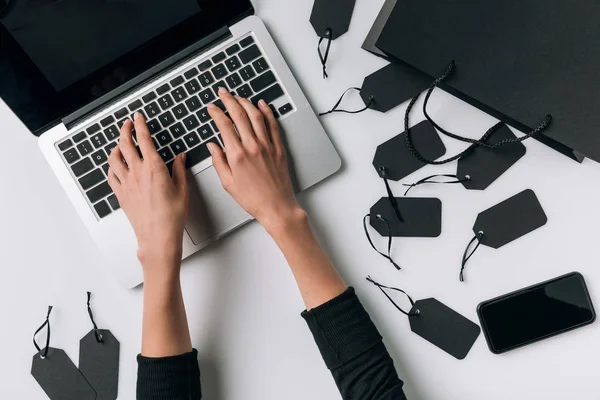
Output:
[[284, 224]]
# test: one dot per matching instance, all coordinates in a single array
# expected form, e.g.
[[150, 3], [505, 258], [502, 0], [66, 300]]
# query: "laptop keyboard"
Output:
[[176, 115]]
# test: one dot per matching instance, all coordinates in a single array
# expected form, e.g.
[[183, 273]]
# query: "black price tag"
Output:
[[422, 217], [99, 363], [332, 16], [396, 159], [484, 165]]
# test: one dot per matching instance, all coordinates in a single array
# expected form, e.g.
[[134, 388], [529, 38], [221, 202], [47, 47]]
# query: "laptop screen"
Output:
[[56, 56]]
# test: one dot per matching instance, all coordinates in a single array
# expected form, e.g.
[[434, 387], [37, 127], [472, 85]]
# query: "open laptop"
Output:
[[72, 71]]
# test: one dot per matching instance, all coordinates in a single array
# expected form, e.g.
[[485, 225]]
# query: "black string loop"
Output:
[[324, 57], [474, 142], [390, 194], [97, 333], [45, 324], [335, 107], [388, 256], [466, 256], [412, 303], [423, 181]]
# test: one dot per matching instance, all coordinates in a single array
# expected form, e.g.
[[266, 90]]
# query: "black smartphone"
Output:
[[535, 313]]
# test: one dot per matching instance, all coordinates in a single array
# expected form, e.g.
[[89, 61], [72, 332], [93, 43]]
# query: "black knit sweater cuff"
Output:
[[169, 378], [342, 329]]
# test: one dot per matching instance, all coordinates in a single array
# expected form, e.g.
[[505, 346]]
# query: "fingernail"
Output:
[[183, 157], [222, 90], [262, 103], [136, 115], [210, 147], [211, 106]]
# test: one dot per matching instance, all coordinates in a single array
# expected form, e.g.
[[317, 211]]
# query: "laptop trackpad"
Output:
[[213, 211]]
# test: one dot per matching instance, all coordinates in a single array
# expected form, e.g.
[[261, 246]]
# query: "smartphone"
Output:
[[535, 313]]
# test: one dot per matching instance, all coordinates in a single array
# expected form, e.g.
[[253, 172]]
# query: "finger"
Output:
[[144, 138], [220, 163], [127, 145], [180, 174], [272, 125], [238, 116], [116, 164], [225, 125], [257, 120], [113, 182]]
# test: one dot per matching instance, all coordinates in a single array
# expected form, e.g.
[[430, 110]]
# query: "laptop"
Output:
[[73, 71]]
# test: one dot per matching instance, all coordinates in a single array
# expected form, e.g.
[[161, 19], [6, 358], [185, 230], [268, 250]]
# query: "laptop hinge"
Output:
[[162, 68]]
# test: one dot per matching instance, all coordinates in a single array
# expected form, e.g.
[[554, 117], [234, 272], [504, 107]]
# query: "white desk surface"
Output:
[[242, 302]]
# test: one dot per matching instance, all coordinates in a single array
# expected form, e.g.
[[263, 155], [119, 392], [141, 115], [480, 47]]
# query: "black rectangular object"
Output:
[[536, 312], [422, 217], [516, 60]]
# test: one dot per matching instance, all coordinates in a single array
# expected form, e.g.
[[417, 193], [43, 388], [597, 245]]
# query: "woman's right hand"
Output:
[[254, 167]]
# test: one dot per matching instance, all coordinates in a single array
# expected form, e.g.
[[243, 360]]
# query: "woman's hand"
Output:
[[254, 169], [156, 205]]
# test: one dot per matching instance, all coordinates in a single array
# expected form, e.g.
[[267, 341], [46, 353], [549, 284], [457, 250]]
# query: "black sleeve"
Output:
[[353, 350], [169, 378]]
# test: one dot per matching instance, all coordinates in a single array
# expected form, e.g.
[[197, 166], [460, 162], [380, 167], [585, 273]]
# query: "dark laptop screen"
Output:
[[58, 55]]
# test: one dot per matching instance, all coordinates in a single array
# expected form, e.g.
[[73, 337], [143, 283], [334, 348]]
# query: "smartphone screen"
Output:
[[536, 313]]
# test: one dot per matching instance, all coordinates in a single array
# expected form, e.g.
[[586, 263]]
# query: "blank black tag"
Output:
[[397, 160], [99, 363], [422, 217], [332, 14], [443, 327], [511, 219], [59, 377], [484, 165], [389, 86]]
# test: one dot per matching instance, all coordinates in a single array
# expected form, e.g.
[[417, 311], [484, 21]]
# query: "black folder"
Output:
[[518, 60]]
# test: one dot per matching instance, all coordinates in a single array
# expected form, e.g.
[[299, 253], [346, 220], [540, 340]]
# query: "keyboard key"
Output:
[[166, 102], [263, 81], [260, 65], [163, 89], [112, 132], [65, 145], [177, 81], [136, 105], [178, 147], [207, 96], [149, 97], [179, 94], [71, 156], [275, 113], [221, 141], [82, 167], [247, 72], [203, 66], [245, 91], [109, 147], [272, 93], [155, 143], [285, 109], [180, 111], [198, 154], [192, 86], [206, 79], [122, 113], [191, 122], [206, 132], [213, 124], [153, 126], [164, 138], [152, 110], [193, 103], [245, 42], [191, 139], [166, 154], [234, 80], [121, 123], [107, 121], [93, 129], [98, 140], [85, 148], [220, 104], [219, 71], [102, 209], [203, 115], [99, 157], [219, 57], [79, 137], [114, 202], [177, 130], [105, 168], [218, 85], [191, 73], [91, 179], [99, 192], [166, 119], [232, 49], [250, 54], [170, 167], [132, 116], [233, 63]]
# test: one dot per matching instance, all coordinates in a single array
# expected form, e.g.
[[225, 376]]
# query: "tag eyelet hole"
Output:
[[468, 177], [417, 312], [480, 233]]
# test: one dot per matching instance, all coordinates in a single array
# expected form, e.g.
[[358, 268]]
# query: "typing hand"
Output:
[[254, 169], [155, 204]]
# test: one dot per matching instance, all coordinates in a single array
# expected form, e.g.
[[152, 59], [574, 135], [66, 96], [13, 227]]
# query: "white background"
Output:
[[242, 302]]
